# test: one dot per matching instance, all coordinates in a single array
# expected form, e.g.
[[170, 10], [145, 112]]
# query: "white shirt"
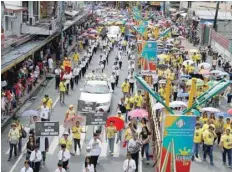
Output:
[[155, 79], [44, 112], [36, 156], [76, 71], [112, 78], [64, 155], [129, 165], [67, 78], [36, 74], [90, 168], [50, 63], [131, 78], [26, 170], [95, 147], [4, 83], [57, 71], [62, 170]]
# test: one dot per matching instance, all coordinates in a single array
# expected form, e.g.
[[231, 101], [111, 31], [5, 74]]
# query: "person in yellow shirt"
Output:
[[198, 58], [62, 87], [128, 133], [13, 138], [197, 140], [219, 124], [194, 57], [119, 115], [125, 87], [162, 92], [111, 131], [227, 124], [48, 101], [129, 102], [75, 58], [138, 100], [206, 125], [226, 145], [65, 141], [204, 118], [208, 136], [65, 63], [77, 130]]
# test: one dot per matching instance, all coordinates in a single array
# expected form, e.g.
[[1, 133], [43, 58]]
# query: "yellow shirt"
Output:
[[129, 102], [19, 127], [161, 92], [128, 134], [13, 134], [198, 135], [68, 143], [125, 87], [75, 57], [226, 126], [65, 63], [203, 120], [77, 132], [111, 131], [208, 137], [138, 100], [227, 141], [48, 102], [62, 86]]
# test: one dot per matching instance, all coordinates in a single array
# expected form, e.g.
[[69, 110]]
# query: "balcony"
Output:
[[44, 27]]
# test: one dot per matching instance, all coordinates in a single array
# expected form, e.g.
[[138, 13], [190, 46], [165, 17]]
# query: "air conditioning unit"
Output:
[[32, 21]]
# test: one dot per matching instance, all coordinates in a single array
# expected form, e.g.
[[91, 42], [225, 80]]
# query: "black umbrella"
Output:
[[199, 76], [162, 66]]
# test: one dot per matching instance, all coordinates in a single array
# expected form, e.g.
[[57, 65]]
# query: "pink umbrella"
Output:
[[229, 111], [89, 29], [140, 113], [204, 72], [69, 123]]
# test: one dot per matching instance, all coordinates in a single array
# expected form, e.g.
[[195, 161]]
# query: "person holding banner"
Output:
[[44, 112], [119, 115], [64, 156]]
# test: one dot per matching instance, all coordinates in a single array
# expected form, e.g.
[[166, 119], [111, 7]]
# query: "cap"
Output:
[[119, 112], [70, 106], [66, 133]]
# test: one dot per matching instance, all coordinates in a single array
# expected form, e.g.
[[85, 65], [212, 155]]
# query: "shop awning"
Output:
[[11, 8]]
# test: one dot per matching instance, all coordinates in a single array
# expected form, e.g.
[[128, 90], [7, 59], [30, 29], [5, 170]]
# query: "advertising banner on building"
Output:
[[176, 152]]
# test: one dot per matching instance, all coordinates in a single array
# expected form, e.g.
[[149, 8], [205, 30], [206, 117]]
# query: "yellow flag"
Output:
[[145, 35], [156, 32]]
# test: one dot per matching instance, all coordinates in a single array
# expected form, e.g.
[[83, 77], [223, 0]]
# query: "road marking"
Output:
[[104, 144], [140, 166], [20, 157], [116, 147], [57, 99], [55, 141]]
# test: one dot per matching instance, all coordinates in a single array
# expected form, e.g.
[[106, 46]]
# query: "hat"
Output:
[[66, 133], [211, 125], [70, 106], [119, 112]]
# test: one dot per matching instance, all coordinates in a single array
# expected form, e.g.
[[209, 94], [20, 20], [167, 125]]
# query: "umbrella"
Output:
[[171, 45], [212, 83], [205, 65], [223, 74], [204, 72], [188, 61], [229, 111], [181, 37], [162, 66], [93, 32], [185, 76], [30, 113], [118, 123], [210, 109], [84, 34], [130, 35], [223, 114], [72, 121], [175, 49], [175, 104], [89, 29], [138, 113], [162, 81], [198, 83], [199, 76], [215, 72]]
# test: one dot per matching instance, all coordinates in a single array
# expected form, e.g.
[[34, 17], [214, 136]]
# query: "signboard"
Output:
[[150, 51], [96, 118], [47, 128], [148, 73], [176, 154], [84, 106]]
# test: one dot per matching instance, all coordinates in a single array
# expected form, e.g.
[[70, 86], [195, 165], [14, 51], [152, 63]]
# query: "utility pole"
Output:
[[61, 13], [189, 4], [216, 16]]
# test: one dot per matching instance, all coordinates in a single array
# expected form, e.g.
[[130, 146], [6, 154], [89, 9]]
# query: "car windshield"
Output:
[[96, 88]]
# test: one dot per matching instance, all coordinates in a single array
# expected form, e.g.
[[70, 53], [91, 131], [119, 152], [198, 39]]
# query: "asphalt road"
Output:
[[107, 162]]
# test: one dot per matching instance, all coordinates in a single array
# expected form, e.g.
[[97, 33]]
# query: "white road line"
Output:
[[83, 135], [116, 148], [54, 104], [20, 157], [104, 144], [140, 166], [55, 141]]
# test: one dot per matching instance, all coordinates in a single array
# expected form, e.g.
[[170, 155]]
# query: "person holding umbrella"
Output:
[[111, 131], [119, 115], [70, 113]]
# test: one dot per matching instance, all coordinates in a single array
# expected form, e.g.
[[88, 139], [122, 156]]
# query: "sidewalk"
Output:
[[33, 92]]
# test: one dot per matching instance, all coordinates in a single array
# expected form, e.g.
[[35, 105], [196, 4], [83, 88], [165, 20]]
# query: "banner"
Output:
[[84, 106], [46, 128], [149, 51], [96, 118], [177, 143]]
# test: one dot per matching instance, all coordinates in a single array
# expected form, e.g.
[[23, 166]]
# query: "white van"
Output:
[[113, 32]]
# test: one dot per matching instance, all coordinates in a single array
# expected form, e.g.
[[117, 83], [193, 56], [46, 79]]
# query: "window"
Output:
[[25, 13], [36, 10], [8, 23]]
